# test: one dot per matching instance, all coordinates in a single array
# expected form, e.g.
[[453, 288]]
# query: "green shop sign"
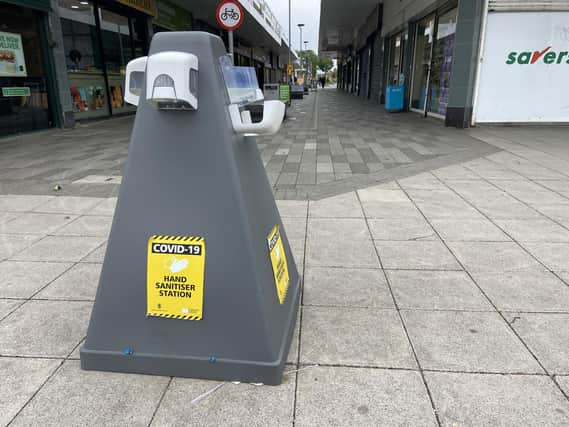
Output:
[[284, 93], [15, 91], [547, 56], [172, 17]]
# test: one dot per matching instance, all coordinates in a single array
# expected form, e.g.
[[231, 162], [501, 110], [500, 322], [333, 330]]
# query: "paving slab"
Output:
[[423, 181], [547, 335], [391, 210], [468, 230], [76, 397], [436, 290], [442, 204], [69, 205], [564, 383], [354, 336], [6, 217], [554, 255], [60, 249], [297, 249], [37, 223], [44, 328], [340, 206], [94, 226], [24, 279], [556, 212], [335, 396], [467, 341], [415, 255], [380, 194], [346, 287], [494, 257], [9, 305], [497, 400], [105, 208], [534, 230], [78, 283], [21, 203], [333, 230], [230, 405], [11, 244], [508, 208], [525, 291], [401, 229], [293, 208], [97, 255], [295, 228], [341, 253], [21, 378]]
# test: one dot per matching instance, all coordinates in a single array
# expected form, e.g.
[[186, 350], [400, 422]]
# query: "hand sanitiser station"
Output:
[[198, 279]]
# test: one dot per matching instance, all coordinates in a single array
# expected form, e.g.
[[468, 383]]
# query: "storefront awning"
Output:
[[339, 21]]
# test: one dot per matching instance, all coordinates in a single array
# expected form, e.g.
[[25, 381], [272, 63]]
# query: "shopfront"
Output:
[[100, 38], [524, 77], [432, 63], [26, 86]]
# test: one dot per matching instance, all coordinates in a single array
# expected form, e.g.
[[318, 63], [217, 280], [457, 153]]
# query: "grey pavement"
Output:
[[330, 143], [438, 297]]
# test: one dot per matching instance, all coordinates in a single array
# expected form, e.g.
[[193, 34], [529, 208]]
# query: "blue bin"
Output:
[[394, 98]]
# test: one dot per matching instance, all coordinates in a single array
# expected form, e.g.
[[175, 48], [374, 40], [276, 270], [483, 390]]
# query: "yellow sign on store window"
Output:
[[146, 6], [175, 277]]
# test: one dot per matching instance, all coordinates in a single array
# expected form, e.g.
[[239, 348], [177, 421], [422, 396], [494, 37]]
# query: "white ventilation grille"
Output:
[[527, 5]]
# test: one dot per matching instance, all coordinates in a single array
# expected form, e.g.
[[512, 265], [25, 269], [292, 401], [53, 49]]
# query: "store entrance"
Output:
[[432, 64]]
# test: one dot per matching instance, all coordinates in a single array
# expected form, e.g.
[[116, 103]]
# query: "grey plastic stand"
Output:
[[189, 174]]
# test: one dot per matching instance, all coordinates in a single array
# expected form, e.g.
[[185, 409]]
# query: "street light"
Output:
[[306, 60], [300, 43]]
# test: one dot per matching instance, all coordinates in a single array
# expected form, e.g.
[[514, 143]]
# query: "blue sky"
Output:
[[306, 12]]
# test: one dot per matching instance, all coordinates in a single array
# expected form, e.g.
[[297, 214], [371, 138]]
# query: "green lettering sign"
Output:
[[16, 91]]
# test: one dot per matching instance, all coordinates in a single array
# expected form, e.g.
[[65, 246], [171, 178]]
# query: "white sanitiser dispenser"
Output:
[[171, 80]]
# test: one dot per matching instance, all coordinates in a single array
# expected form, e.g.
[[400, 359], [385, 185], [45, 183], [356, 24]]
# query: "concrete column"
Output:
[[58, 52], [464, 63]]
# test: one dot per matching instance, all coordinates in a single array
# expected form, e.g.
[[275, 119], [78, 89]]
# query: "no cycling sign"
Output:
[[229, 15]]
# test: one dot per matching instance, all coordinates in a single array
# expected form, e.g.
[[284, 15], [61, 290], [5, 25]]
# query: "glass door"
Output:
[[118, 51], [439, 84], [424, 41]]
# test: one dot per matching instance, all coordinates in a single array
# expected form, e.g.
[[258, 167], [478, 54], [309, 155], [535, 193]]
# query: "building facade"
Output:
[[63, 61], [463, 62]]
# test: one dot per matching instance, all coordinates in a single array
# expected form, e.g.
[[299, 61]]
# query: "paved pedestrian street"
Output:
[[435, 265]]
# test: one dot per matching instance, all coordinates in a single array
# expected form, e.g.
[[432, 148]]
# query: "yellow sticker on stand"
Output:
[[175, 277], [278, 261]]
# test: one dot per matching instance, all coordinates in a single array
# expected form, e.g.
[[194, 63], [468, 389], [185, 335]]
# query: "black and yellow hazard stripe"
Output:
[[162, 237], [176, 316]]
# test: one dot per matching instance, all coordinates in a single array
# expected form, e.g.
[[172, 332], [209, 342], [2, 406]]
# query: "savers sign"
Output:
[[525, 68]]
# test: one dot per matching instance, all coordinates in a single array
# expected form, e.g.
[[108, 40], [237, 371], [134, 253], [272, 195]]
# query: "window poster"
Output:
[[87, 99], [12, 60]]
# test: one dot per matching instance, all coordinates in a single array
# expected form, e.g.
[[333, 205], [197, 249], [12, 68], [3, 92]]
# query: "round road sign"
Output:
[[229, 15]]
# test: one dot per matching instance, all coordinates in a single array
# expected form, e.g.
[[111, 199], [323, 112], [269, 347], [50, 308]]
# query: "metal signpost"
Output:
[[230, 16]]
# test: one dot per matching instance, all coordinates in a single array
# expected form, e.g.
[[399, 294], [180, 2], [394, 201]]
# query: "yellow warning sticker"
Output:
[[175, 277], [278, 261]]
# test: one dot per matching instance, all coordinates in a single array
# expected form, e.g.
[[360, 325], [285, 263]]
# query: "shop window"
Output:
[[23, 85], [395, 59], [83, 58], [118, 51], [422, 62], [442, 63]]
